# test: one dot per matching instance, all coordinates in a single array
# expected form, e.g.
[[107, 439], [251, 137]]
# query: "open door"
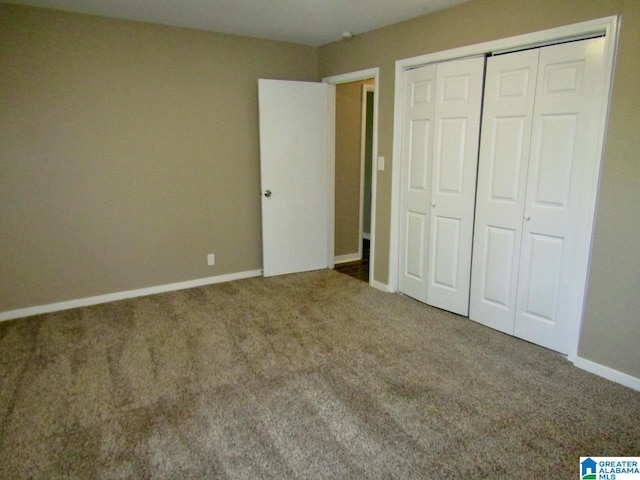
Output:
[[297, 136]]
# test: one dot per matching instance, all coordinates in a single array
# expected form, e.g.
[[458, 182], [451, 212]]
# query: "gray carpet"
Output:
[[313, 375]]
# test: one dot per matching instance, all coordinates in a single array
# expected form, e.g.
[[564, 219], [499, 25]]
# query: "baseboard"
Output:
[[608, 373], [350, 257], [380, 286], [112, 297]]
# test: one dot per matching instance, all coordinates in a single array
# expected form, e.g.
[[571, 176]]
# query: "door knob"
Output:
[[433, 204], [267, 193], [527, 217]]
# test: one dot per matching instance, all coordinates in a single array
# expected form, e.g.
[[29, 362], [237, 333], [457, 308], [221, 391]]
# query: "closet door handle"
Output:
[[433, 204], [527, 218]]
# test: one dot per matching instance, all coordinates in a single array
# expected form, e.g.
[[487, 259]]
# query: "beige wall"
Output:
[[348, 145], [611, 327], [128, 151]]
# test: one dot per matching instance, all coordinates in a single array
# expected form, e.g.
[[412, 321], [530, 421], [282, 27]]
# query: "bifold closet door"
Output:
[[453, 182], [529, 273], [560, 188], [440, 133], [509, 94]]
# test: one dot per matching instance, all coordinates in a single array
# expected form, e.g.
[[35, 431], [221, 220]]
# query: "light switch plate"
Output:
[[380, 163]]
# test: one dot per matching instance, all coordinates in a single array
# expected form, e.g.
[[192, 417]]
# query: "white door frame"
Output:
[[366, 88], [607, 26], [354, 77]]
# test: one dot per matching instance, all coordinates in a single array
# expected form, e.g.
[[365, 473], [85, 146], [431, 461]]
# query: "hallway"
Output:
[[360, 268]]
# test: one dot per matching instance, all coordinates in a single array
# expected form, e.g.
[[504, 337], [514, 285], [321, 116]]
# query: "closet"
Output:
[[515, 258]]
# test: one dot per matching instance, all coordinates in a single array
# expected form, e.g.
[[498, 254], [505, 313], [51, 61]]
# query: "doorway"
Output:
[[355, 179], [354, 141]]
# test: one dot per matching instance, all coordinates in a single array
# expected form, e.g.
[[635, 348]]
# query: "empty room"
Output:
[[174, 204]]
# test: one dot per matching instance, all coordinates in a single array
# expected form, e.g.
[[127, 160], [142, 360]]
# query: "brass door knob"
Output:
[[267, 193]]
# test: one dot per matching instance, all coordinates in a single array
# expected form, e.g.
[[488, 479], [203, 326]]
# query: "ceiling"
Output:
[[310, 22]]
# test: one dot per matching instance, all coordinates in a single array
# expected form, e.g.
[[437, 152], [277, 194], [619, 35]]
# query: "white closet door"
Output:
[[453, 182], [502, 175], [417, 128], [562, 169]]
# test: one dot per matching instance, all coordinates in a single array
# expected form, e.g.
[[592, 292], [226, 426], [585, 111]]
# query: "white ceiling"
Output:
[[310, 22]]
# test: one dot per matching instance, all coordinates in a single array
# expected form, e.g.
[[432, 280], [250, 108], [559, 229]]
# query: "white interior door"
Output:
[[297, 134], [453, 182], [509, 96], [417, 134], [562, 168]]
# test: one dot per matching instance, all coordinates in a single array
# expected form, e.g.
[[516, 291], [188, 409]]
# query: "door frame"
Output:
[[607, 27], [354, 77], [366, 88]]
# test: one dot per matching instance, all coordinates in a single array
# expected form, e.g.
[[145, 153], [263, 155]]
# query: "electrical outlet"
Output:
[[211, 259]]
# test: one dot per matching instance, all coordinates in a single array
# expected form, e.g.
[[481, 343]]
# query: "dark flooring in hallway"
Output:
[[360, 268]]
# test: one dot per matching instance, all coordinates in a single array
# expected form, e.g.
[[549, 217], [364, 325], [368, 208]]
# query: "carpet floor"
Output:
[[313, 375]]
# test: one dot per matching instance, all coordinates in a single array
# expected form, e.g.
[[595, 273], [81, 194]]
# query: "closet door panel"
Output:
[[417, 146], [540, 299], [456, 127], [502, 174], [450, 155], [415, 225], [498, 254], [446, 241], [562, 169], [552, 168]]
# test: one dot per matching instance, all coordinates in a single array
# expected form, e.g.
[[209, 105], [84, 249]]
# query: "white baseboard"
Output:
[[608, 373], [112, 297], [380, 286], [350, 257]]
